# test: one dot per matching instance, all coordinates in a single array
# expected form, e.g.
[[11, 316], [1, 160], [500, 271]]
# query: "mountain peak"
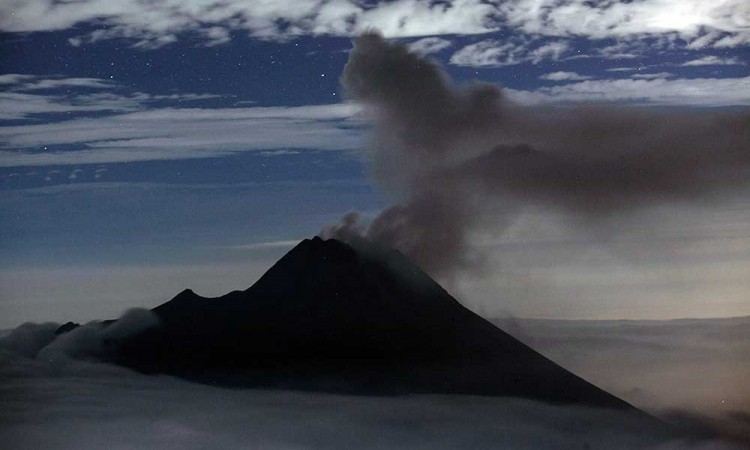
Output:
[[353, 318], [186, 293]]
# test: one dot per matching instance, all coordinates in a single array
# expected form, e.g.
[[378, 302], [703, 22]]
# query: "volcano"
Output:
[[349, 318]]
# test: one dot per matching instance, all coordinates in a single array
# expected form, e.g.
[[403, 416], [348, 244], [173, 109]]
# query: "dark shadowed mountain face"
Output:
[[331, 317]]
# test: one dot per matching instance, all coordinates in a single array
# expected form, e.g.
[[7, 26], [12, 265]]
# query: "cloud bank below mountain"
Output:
[[54, 395]]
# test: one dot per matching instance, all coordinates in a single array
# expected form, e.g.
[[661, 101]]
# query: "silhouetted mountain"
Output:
[[329, 317]]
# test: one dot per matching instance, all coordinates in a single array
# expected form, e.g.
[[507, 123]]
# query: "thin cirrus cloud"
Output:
[[564, 76], [715, 24], [23, 96], [713, 61], [180, 133], [22, 105], [136, 126], [23, 82]]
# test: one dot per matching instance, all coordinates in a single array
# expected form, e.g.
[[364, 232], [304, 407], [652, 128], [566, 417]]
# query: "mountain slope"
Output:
[[330, 317]]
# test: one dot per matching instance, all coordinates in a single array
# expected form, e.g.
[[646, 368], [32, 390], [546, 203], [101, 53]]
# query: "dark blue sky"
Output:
[[141, 133]]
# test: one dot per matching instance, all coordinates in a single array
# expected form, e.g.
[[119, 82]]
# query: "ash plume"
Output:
[[459, 157]]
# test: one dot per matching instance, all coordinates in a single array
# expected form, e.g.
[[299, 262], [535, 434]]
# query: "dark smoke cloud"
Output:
[[456, 155]]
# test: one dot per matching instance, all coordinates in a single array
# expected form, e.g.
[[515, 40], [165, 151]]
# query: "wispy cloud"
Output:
[[26, 82], [16, 105], [429, 45], [136, 126], [564, 76], [551, 50], [652, 76], [180, 133], [23, 96], [622, 49], [498, 53], [693, 92], [13, 79], [713, 61]]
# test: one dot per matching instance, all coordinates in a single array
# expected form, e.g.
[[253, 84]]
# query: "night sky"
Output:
[[150, 147]]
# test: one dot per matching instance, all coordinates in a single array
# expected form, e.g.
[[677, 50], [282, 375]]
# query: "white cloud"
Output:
[[181, 133], [713, 61], [564, 76], [693, 92], [216, 36], [429, 45]]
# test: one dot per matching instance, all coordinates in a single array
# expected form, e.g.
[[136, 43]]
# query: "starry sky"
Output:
[[146, 147]]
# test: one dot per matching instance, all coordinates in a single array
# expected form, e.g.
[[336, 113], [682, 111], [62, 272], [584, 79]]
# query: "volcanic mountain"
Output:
[[332, 317]]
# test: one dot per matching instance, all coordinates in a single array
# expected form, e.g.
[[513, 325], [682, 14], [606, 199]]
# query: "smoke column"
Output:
[[458, 158]]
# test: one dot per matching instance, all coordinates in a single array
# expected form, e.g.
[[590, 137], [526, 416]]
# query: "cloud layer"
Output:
[[716, 24], [54, 395], [696, 366], [97, 121]]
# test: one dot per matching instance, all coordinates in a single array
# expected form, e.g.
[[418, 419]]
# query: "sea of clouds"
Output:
[[55, 393]]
